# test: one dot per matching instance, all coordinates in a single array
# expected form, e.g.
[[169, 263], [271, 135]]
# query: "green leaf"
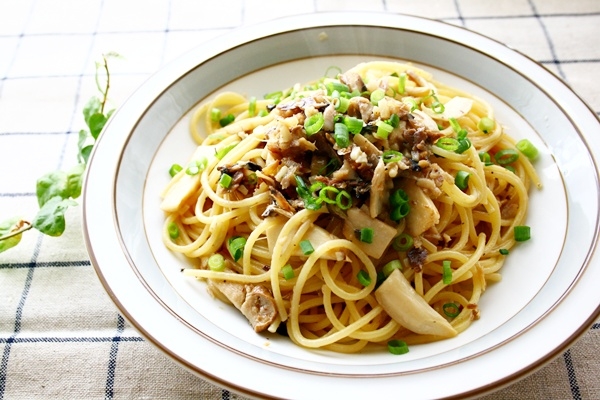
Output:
[[50, 219], [75, 180], [51, 185], [6, 227], [93, 106], [96, 122], [83, 146], [85, 153]]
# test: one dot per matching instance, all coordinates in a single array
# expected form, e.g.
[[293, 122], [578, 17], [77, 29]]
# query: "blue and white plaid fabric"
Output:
[[60, 334]]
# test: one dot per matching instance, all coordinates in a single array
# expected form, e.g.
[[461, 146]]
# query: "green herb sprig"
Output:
[[56, 191]]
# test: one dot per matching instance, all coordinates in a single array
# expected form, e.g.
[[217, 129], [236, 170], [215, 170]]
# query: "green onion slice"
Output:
[[341, 135], [463, 145], [504, 252], [216, 262], [174, 170], [447, 143], [376, 96], [363, 277], [402, 242], [314, 123], [225, 181], [288, 272], [446, 272], [398, 197], [451, 310], [343, 200], [461, 180], [306, 247], [522, 233], [353, 124], [527, 148], [399, 212], [397, 347], [383, 129], [391, 266], [226, 120], [324, 194], [506, 156], [486, 125], [222, 152], [402, 82], [252, 106], [365, 235], [236, 246], [173, 230], [215, 115], [390, 156]]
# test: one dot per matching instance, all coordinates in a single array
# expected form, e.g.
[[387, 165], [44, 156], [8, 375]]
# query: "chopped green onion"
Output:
[[314, 123], [341, 135], [288, 272], [394, 120], [399, 212], [377, 95], [222, 152], [522, 233], [463, 145], [365, 235], [390, 156], [216, 262], [225, 181], [226, 120], [446, 272], [398, 197], [383, 130], [402, 242], [454, 125], [324, 194], [402, 83], [391, 266], [315, 187], [306, 247], [504, 252], [462, 135], [437, 106], [215, 115], [173, 230], [397, 347], [485, 158], [363, 277], [343, 200], [196, 166], [447, 143], [354, 125], [527, 148], [263, 113], [310, 202], [461, 180], [510, 168], [174, 170], [412, 103], [341, 103], [236, 246], [451, 310], [275, 96], [486, 125], [335, 85], [252, 106], [506, 156]]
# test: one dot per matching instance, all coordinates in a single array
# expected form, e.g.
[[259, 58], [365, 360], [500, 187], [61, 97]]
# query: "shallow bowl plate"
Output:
[[547, 296]]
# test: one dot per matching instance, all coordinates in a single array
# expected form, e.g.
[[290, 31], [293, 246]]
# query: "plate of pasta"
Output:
[[382, 202]]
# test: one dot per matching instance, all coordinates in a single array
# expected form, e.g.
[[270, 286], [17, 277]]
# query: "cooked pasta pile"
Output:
[[369, 207]]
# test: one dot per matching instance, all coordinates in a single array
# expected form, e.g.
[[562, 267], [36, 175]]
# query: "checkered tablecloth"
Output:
[[61, 337]]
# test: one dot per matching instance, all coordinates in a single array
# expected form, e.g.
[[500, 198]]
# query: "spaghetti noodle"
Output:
[[362, 208]]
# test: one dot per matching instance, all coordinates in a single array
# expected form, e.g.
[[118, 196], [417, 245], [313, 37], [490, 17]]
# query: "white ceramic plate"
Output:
[[548, 294]]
